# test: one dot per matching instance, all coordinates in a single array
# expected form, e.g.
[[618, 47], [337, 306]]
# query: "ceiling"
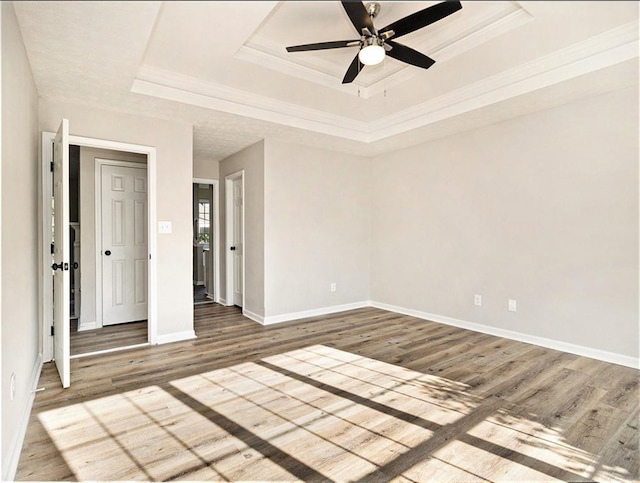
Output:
[[223, 67]]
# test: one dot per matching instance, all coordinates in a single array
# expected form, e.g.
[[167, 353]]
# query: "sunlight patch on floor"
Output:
[[315, 412]]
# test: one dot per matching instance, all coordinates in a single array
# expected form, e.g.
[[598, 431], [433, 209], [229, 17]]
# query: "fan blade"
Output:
[[353, 70], [359, 16], [324, 45], [408, 55], [422, 18]]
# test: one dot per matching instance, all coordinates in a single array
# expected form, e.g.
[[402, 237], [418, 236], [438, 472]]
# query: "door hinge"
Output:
[[53, 330], [53, 248], [51, 166]]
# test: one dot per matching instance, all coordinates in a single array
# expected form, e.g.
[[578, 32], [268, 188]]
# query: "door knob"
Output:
[[107, 253]]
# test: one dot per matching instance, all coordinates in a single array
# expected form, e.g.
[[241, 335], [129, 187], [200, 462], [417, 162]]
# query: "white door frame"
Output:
[[99, 162], [215, 242], [229, 216], [46, 281]]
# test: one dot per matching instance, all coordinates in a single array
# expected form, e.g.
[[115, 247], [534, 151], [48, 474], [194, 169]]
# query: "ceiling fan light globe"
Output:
[[371, 54]]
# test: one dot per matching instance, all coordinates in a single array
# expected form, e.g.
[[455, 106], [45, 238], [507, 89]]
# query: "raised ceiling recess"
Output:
[[475, 24]]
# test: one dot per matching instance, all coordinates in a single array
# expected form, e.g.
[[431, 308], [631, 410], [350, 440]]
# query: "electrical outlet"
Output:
[[512, 305], [477, 300], [333, 287]]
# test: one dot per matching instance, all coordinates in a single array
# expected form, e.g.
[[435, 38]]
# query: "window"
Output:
[[204, 222]]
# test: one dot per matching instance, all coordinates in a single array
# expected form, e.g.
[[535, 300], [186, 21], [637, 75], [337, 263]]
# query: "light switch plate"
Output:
[[164, 227]]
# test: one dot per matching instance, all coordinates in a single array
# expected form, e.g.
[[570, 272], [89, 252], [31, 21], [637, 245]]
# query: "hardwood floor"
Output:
[[108, 337], [365, 395]]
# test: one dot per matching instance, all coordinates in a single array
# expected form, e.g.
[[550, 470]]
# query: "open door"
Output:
[[61, 256]]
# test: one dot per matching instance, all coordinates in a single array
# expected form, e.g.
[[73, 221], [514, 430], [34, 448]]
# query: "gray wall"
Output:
[[20, 248], [542, 209], [317, 228], [88, 248], [205, 168], [173, 142], [250, 159]]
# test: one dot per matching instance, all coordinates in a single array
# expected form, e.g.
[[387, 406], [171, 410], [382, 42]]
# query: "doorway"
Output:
[[205, 241], [46, 282], [234, 230]]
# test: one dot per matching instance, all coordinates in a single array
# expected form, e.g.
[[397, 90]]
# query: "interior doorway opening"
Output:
[[91, 233], [141, 157], [205, 241]]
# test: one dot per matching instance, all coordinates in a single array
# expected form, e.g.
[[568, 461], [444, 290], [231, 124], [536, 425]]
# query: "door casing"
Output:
[[229, 218], [46, 280]]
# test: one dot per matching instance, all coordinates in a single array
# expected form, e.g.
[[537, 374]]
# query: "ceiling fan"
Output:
[[375, 44]]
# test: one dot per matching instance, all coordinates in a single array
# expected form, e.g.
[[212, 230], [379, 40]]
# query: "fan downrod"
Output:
[[373, 8]]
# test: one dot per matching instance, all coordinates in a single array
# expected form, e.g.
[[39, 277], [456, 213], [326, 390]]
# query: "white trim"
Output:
[[108, 351], [222, 301], [592, 353], [45, 283], [604, 50], [176, 337], [215, 296], [88, 325], [97, 205], [228, 208], [190, 90], [255, 317], [276, 319], [10, 466]]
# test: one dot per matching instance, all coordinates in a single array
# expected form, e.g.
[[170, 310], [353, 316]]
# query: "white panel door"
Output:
[[124, 244], [238, 246], [61, 277]]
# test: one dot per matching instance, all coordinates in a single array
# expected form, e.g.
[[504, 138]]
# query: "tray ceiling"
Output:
[[223, 67]]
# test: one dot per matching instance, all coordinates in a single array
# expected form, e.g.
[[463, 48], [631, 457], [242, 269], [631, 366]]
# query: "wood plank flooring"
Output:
[[365, 395], [108, 337]]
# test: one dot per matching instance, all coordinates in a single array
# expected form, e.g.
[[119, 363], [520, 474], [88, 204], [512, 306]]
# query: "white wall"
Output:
[[173, 142], [251, 160], [205, 168], [88, 249], [317, 228], [20, 334], [542, 209]]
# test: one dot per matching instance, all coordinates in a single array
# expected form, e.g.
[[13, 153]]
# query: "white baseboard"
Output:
[[15, 446], [88, 325], [255, 317], [175, 337], [276, 319], [579, 350], [222, 301]]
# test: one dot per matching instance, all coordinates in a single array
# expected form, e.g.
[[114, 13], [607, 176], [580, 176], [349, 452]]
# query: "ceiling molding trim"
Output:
[[607, 49], [458, 46], [168, 85], [612, 47], [272, 61]]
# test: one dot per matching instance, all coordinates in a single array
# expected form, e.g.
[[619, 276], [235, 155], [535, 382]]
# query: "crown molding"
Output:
[[607, 49], [164, 84]]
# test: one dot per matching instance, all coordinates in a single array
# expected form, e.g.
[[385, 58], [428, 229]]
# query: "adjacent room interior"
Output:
[[304, 241]]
